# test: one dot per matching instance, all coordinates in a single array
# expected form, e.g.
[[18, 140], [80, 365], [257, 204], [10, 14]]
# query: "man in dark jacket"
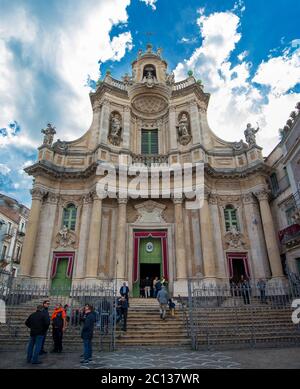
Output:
[[45, 311], [38, 324], [123, 306], [87, 333]]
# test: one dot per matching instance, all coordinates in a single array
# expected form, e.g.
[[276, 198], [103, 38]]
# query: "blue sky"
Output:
[[247, 53]]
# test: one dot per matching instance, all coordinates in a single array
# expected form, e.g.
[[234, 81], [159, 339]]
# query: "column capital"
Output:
[[262, 195], [122, 200], [212, 198], [38, 193], [177, 200], [248, 198], [53, 198], [87, 198]]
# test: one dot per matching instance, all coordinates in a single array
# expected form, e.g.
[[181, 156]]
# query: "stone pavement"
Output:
[[176, 358]]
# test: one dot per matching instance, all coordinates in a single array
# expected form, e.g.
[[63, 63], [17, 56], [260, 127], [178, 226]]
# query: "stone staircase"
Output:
[[144, 328], [220, 326], [254, 324]]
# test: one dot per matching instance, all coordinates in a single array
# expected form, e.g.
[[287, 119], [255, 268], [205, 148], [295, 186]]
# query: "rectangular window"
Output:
[[289, 215], [3, 254], [274, 183], [149, 142], [8, 227]]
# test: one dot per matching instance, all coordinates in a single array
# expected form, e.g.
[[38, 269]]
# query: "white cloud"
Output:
[[236, 97], [67, 52], [4, 170], [280, 73], [150, 3]]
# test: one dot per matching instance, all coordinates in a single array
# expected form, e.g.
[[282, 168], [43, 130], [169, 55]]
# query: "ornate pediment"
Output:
[[234, 239], [150, 212], [66, 238]]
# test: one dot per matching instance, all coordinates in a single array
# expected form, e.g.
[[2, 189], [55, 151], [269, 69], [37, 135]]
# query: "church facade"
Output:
[[74, 236]]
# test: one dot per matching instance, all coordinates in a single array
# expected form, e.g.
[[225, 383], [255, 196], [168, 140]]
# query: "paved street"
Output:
[[177, 358]]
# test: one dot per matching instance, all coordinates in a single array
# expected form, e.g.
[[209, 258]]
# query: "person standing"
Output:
[[154, 286], [58, 327], [163, 297], [262, 289], [245, 289], [124, 291], [38, 324], [87, 333], [124, 312], [147, 287], [171, 307], [45, 311]]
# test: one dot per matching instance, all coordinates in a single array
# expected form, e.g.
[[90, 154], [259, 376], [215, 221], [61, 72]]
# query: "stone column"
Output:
[[126, 131], [270, 235], [31, 232], [104, 122], [121, 240], [207, 240], [172, 129], [217, 234], [195, 123], [255, 233], [83, 236], [179, 241], [43, 245], [95, 127], [93, 251]]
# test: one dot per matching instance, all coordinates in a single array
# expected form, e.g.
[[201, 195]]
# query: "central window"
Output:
[[149, 142]]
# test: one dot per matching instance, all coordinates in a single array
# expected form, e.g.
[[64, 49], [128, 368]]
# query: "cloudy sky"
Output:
[[247, 54]]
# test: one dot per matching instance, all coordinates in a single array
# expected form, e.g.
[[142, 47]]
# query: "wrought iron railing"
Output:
[[250, 314], [22, 300], [150, 159]]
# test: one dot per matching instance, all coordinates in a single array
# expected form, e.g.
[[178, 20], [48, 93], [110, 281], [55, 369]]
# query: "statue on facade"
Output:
[[49, 133], [234, 238], [250, 135], [170, 79], [115, 129], [183, 130], [149, 79]]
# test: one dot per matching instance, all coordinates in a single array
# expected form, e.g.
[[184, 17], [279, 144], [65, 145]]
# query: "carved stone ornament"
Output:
[[296, 217], [60, 146], [115, 129], [65, 238], [234, 239], [150, 212], [183, 129], [49, 133]]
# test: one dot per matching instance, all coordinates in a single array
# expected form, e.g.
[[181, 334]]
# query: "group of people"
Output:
[[149, 287], [242, 287], [40, 321]]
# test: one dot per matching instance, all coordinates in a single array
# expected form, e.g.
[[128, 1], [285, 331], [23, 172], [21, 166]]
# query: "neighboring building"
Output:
[[13, 219], [75, 237], [285, 185]]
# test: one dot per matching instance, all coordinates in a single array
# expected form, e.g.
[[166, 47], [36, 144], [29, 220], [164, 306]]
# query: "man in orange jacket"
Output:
[[58, 327]]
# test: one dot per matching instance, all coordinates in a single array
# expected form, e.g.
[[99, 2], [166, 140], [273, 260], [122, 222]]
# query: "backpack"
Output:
[[58, 321]]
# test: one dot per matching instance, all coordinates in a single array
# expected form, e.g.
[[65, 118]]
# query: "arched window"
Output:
[[231, 219], [69, 217]]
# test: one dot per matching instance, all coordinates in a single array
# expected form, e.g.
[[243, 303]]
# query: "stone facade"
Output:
[[232, 234]]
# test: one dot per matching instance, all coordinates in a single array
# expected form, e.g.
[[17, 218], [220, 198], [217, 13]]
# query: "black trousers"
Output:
[[124, 315], [57, 339]]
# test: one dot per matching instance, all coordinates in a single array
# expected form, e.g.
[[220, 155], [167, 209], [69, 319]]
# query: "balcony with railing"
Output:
[[150, 159], [291, 234]]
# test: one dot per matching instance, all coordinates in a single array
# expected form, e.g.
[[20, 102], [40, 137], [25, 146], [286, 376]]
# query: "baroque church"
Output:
[[74, 237]]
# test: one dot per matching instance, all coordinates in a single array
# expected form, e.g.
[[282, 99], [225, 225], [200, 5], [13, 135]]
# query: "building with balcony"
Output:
[[13, 220], [284, 162], [147, 119]]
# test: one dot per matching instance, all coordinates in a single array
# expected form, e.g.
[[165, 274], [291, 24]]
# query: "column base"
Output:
[[180, 288], [278, 285]]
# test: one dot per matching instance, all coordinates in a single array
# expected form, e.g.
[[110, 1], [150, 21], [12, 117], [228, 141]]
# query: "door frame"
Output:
[[167, 228], [231, 256], [62, 255]]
